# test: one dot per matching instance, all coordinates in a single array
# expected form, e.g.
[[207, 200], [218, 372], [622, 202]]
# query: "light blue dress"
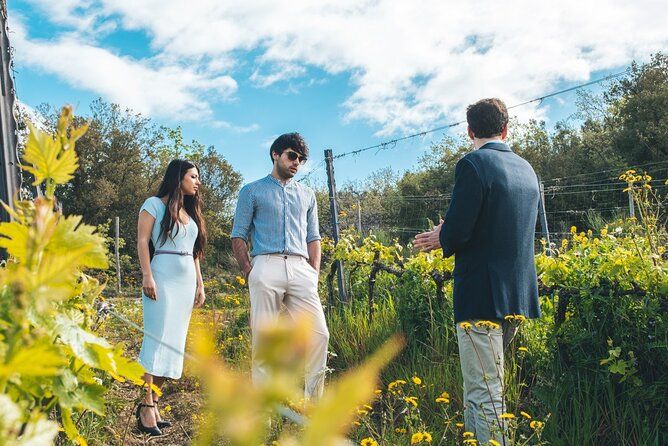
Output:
[[167, 318]]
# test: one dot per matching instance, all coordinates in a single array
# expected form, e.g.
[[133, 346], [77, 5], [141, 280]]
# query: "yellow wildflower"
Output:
[[459, 425], [487, 324], [411, 400], [400, 430], [465, 326], [417, 438], [525, 415], [241, 280], [369, 442], [377, 391], [396, 383], [507, 416], [168, 408], [604, 231], [494, 443], [417, 380], [444, 398], [471, 441], [574, 229], [523, 349], [535, 425], [427, 437], [468, 434]]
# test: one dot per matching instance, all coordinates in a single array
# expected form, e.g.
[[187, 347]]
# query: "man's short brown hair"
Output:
[[487, 117]]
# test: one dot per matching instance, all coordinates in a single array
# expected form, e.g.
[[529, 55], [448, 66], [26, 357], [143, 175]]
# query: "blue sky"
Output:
[[344, 74]]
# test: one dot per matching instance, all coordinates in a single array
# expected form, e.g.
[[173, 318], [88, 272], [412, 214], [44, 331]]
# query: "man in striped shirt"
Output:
[[278, 217]]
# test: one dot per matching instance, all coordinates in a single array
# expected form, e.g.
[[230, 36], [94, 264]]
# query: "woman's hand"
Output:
[[149, 288], [199, 296]]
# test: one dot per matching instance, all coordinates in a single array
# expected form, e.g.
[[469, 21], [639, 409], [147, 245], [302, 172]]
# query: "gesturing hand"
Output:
[[429, 240], [149, 288]]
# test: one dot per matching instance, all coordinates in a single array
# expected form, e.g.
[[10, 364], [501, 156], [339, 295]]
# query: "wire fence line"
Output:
[[389, 144], [582, 204]]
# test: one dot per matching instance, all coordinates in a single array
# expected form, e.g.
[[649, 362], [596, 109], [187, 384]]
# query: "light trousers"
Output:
[[481, 353], [289, 281]]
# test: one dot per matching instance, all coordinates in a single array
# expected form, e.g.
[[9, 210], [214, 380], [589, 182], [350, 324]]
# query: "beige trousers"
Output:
[[481, 356], [277, 280]]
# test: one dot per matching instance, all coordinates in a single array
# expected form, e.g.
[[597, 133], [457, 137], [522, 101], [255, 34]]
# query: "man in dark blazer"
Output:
[[489, 227]]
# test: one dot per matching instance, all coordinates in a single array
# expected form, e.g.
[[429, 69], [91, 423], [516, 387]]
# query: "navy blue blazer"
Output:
[[490, 228]]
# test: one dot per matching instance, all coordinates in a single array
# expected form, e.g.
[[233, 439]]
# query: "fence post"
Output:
[[9, 166], [118, 258], [543, 220], [632, 207], [334, 210]]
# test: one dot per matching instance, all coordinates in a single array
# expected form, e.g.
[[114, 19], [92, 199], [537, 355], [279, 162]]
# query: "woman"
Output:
[[171, 236]]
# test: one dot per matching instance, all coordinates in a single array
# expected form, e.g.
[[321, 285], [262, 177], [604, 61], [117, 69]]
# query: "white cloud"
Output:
[[412, 64], [280, 72], [148, 87], [235, 128]]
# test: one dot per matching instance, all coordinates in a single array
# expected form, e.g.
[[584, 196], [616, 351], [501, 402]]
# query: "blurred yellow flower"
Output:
[[536, 425], [411, 400], [168, 408], [241, 280], [468, 434], [465, 326], [494, 443], [459, 425], [523, 349], [369, 442], [417, 380], [507, 416], [400, 430], [525, 415]]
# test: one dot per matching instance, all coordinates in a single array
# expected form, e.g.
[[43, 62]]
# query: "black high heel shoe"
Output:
[[161, 423], [152, 431]]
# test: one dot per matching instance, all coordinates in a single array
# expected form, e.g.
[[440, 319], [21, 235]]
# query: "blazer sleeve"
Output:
[[465, 205]]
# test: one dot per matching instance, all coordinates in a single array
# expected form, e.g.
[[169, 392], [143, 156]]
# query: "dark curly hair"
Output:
[[487, 117], [292, 141]]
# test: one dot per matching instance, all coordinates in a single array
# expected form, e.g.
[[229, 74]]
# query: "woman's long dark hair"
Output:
[[171, 188]]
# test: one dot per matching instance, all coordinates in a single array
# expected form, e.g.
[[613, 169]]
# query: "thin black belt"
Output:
[[177, 253]]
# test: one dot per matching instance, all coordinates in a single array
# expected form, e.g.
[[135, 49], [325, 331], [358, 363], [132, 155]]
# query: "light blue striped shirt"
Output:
[[277, 218]]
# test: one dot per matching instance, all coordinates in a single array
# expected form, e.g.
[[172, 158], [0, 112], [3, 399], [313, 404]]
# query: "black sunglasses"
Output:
[[294, 155]]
